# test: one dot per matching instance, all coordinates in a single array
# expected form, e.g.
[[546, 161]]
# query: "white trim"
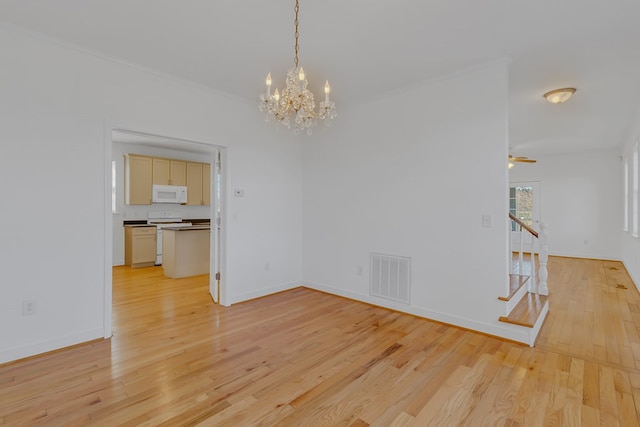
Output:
[[625, 189], [635, 183], [107, 284], [37, 348], [533, 332], [498, 329], [260, 293], [515, 299], [635, 280], [224, 214]]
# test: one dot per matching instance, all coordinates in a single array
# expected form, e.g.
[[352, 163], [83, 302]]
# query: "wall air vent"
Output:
[[390, 277]]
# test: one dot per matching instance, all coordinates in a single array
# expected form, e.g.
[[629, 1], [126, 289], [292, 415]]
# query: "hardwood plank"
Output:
[[303, 357], [608, 399]]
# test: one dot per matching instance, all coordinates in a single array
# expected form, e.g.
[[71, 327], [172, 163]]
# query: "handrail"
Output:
[[523, 225]]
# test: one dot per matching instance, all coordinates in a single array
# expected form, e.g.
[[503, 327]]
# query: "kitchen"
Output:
[[174, 213]]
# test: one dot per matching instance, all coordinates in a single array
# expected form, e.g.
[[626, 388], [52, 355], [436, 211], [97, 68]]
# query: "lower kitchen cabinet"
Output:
[[185, 251], [139, 246]]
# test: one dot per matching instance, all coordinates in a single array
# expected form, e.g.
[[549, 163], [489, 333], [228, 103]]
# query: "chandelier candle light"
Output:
[[295, 99]]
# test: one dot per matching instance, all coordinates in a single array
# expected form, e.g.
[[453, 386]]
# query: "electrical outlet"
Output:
[[359, 270], [267, 267], [28, 307]]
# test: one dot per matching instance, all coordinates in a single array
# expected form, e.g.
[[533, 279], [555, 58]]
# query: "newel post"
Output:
[[543, 256]]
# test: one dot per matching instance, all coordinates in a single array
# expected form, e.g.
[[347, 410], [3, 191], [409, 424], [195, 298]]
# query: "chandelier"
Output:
[[295, 102]]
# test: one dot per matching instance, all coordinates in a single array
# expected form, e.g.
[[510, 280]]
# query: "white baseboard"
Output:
[[234, 299], [515, 299], [499, 329], [33, 349], [604, 257], [533, 332], [635, 280]]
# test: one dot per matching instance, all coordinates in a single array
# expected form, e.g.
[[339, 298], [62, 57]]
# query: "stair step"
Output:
[[527, 311], [516, 281]]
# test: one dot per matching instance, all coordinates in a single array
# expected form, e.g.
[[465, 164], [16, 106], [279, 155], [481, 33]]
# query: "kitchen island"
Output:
[[186, 251]]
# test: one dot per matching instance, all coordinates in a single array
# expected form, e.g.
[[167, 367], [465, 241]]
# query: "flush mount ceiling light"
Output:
[[512, 160], [296, 102], [559, 96]]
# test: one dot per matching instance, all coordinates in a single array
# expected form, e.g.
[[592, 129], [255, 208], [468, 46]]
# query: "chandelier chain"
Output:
[[297, 9]]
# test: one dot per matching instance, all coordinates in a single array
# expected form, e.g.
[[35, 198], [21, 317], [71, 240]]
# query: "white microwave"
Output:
[[169, 194]]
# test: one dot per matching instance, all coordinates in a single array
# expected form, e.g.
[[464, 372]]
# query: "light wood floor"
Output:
[[304, 358]]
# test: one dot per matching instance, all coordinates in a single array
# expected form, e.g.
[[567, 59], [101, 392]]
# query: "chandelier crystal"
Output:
[[295, 103]]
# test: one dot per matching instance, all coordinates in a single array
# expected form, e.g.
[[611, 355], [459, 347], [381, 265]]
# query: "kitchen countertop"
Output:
[[187, 228]]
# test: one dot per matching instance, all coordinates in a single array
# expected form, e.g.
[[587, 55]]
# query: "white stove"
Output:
[[164, 220]]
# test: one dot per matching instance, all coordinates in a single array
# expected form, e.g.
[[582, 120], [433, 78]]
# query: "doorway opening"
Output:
[[212, 158]]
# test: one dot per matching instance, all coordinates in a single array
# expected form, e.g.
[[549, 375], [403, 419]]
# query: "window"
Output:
[[521, 205], [626, 195], [634, 185], [113, 186]]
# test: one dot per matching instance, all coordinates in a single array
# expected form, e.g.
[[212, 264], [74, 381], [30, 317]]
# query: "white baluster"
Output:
[[511, 248], [520, 252], [543, 257], [533, 287]]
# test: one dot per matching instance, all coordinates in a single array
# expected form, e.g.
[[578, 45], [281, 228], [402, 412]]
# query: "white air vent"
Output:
[[390, 277]]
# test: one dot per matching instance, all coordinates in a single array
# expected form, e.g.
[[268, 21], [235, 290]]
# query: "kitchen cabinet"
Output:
[[142, 172], [138, 177], [140, 246], [194, 183], [169, 171], [185, 251], [198, 184]]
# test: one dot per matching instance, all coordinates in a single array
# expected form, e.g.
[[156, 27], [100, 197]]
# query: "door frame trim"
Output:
[[108, 215]]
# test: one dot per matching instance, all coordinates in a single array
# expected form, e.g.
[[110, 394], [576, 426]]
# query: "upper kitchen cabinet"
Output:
[[169, 172], [198, 184], [206, 184], [138, 177], [141, 173]]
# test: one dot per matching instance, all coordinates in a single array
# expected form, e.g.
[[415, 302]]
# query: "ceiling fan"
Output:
[[519, 159]]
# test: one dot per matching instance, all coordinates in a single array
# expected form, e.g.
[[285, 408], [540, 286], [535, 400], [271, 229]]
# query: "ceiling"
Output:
[[156, 141], [367, 48]]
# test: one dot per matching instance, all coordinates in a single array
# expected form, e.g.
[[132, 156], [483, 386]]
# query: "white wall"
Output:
[[58, 106], [581, 201], [411, 175], [630, 244]]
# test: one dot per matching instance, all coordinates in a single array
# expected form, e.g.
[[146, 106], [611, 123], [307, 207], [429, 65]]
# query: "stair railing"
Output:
[[527, 233]]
